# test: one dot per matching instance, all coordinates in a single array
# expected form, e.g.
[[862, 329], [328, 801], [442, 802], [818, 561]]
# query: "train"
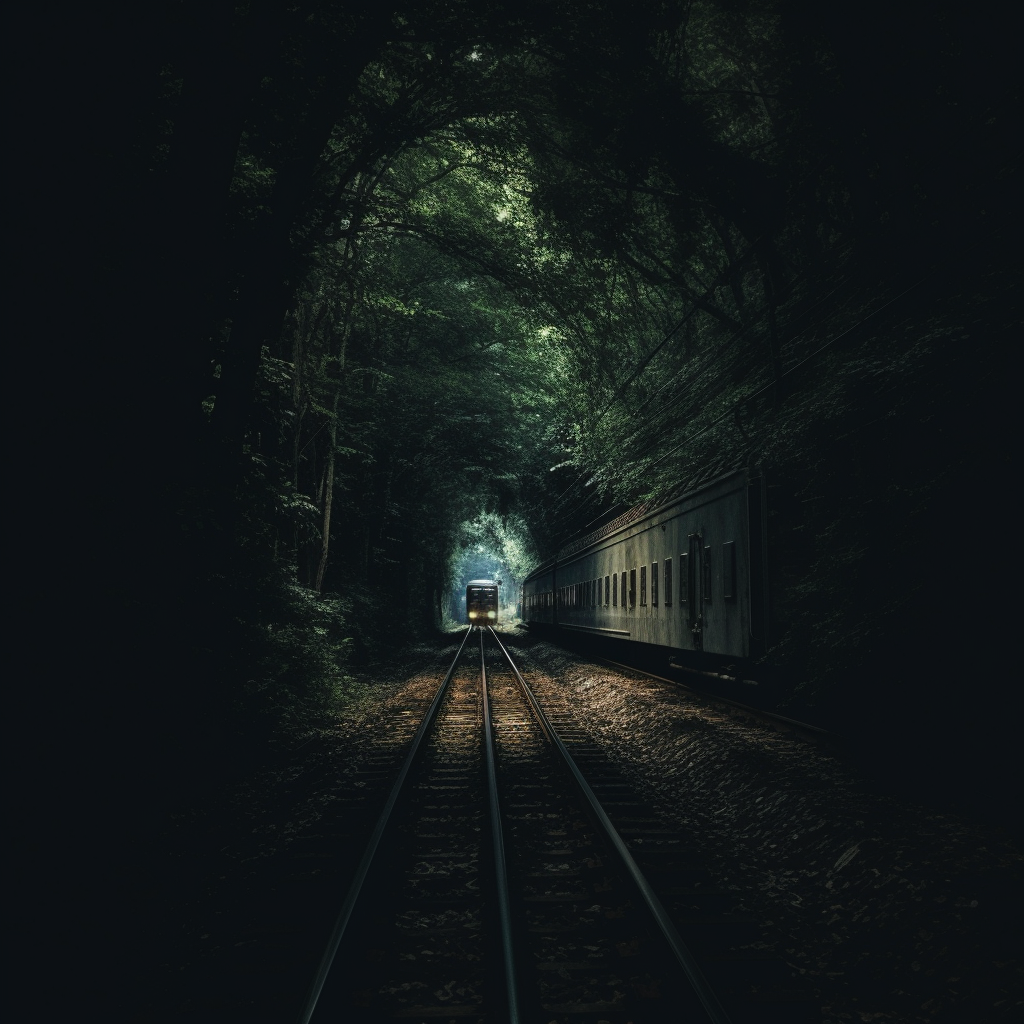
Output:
[[482, 602], [688, 574]]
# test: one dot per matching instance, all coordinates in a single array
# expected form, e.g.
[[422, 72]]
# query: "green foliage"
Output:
[[531, 261]]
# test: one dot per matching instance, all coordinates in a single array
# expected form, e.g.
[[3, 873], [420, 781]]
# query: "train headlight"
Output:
[[472, 615], [492, 615]]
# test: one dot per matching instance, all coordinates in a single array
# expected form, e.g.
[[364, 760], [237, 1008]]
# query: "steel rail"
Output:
[[701, 987], [500, 866], [362, 871]]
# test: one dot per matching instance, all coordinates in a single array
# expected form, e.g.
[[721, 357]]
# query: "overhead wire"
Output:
[[716, 283], [933, 270], [749, 398], [769, 386], [646, 361]]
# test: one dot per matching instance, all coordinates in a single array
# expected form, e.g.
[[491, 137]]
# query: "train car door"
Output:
[[695, 589]]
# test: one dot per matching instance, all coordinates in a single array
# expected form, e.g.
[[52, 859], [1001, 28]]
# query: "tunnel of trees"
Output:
[[329, 293]]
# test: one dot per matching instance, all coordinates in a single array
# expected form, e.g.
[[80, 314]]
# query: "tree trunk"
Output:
[[325, 542]]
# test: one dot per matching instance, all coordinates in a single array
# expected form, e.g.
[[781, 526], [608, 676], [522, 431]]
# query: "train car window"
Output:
[[643, 585], [707, 572], [622, 587], [684, 578], [654, 584], [615, 590], [729, 569], [607, 590], [668, 582], [632, 588]]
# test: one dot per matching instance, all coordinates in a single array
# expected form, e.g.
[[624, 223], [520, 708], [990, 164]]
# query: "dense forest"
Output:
[[326, 294]]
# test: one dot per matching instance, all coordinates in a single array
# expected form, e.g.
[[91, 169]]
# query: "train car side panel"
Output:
[[680, 577], [539, 596]]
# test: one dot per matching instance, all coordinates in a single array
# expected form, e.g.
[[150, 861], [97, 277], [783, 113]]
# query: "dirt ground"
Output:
[[891, 911]]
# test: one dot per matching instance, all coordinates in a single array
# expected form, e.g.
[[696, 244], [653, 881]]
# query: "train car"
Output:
[[538, 596], [689, 574], [482, 602]]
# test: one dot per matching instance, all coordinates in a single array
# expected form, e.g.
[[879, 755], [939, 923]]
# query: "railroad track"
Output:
[[514, 876]]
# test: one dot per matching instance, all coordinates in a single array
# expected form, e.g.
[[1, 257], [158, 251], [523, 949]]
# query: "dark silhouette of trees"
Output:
[[320, 282]]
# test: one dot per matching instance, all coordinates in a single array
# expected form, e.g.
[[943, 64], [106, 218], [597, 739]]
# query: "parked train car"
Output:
[[689, 574], [482, 602]]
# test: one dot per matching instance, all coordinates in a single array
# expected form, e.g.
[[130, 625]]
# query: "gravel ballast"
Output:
[[891, 911]]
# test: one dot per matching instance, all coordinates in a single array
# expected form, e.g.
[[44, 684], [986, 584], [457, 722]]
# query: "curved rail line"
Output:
[[511, 1005], [709, 1000], [498, 840], [362, 871]]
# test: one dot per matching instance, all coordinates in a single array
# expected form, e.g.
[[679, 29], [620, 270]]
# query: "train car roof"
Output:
[[634, 515], [481, 583]]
